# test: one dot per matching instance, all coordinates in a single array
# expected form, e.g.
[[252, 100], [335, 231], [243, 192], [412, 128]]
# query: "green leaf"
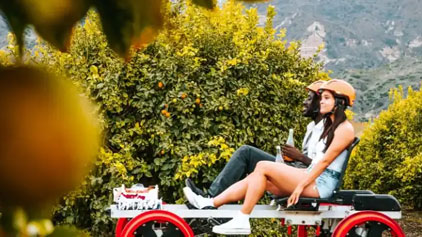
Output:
[[54, 20], [127, 22], [210, 4], [157, 161], [16, 18], [116, 18]]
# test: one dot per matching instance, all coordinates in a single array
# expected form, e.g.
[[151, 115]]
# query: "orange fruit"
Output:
[[167, 114], [183, 96], [163, 112], [162, 152], [50, 137], [160, 85], [198, 101]]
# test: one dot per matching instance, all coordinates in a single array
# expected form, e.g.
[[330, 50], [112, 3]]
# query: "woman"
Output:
[[318, 181]]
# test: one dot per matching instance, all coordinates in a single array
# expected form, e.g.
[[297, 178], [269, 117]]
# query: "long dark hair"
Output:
[[339, 117]]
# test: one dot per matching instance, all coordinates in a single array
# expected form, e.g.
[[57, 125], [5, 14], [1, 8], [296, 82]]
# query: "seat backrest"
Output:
[[346, 161]]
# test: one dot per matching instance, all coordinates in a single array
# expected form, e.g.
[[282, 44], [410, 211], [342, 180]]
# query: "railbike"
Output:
[[355, 213]]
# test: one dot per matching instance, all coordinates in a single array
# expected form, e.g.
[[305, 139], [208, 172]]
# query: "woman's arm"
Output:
[[343, 137]]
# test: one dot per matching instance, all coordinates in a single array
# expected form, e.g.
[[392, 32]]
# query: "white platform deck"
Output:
[[260, 211]]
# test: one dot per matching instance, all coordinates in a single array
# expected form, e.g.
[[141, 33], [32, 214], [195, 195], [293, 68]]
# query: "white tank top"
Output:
[[336, 164]]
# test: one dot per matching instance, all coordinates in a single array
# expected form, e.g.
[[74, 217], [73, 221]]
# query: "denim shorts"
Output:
[[326, 182]]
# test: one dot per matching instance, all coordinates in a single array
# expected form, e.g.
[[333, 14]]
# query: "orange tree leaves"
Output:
[[126, 23], [52, 19], [249, 86]]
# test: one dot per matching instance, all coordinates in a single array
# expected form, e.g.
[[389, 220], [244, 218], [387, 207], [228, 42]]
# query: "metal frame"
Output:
[[328, 211]]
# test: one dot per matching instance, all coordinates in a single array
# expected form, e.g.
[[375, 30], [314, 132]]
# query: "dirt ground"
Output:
[[411, 223]]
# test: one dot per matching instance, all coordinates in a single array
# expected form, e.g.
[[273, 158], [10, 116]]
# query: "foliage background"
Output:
[[211, 82], [389, 156]]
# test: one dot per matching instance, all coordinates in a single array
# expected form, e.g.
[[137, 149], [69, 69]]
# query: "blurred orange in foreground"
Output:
[[49, 136]]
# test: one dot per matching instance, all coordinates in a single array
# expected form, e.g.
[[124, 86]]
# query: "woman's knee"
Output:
[[262, 165]]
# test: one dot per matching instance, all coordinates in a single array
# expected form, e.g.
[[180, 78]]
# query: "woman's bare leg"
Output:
[[238, 190], [256, 188], [284, 177], [274, 190], [235, 192], [279, 179]]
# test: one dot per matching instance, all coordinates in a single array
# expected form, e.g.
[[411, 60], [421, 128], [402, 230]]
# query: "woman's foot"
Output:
[[239, 225], [197, 200]]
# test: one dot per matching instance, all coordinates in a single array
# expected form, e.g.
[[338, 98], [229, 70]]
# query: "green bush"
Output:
[[211, 82], [389, 156]]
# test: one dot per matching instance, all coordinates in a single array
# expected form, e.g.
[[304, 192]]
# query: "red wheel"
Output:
[[368, 223], [121, 223], [157, 223]]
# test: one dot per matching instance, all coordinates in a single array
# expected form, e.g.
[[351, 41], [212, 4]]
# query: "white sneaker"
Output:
[[239, 225], [197, 200]]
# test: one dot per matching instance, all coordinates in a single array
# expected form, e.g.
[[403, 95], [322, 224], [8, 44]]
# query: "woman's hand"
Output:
[[294, 197]]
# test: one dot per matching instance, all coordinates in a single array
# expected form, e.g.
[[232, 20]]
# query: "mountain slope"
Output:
[[373, 85], [374, 44], [357, 34]]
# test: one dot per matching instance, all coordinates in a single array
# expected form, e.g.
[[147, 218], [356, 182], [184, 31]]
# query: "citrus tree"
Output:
[[389, 156], [125, 23], [210, 82]]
